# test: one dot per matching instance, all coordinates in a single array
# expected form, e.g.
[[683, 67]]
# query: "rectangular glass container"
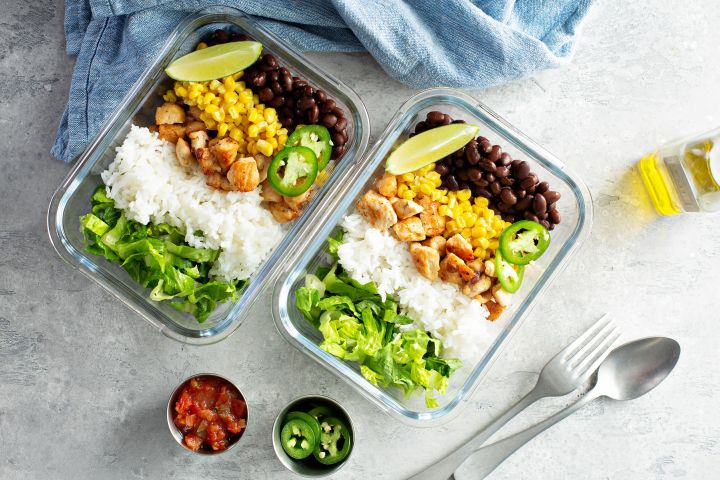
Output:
[[575, 207], [72, 198]]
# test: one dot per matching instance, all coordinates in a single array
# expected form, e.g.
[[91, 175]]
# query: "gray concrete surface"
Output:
[[83, 380]]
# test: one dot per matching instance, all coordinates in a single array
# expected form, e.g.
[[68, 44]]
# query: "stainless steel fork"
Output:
[[564, 373]]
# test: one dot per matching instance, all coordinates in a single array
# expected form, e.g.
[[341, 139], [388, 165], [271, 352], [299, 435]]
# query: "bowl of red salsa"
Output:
[[207, 414]]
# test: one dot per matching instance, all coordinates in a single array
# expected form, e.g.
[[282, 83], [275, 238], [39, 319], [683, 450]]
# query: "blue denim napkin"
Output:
[[422, 43]]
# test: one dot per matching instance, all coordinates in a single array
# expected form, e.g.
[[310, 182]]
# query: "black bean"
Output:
[[474, 174], [458, 162], [484, 146], [338, 139], [504, 207], [489, 177], [542, 187], [507, 196], [286, 83], [554, 216], [276, 88], [462, 175], [545, 224], [320, 95], [539, 204], [506, 181], [458, 153], [305, 103], [259, 80], [298, 84], [435, 117], [447, 119], [420, 127], [524, 203], [495, 153], [442, 169], [337, 111], [463, 185], [504, 159], [459, 121], [287, 122], [327, 105], [487, 166], [509, 218], [337, 151], [482, 183], [531, 216], [308, 91], [520, 193], [265, 95], [313, 114], [551, 196], [329, 120], [501, 171], [514, 164], [472, 154], [495, 188], [277, 102], [543, 216], [522, 170], [270, 60], [483, 192], [452, 183], [341, 123], [527, 182]]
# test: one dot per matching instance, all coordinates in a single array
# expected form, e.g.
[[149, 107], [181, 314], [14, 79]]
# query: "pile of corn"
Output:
[[470, 217], [233, 110]]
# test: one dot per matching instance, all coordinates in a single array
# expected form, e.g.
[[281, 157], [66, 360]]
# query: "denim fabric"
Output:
[[422, 43]]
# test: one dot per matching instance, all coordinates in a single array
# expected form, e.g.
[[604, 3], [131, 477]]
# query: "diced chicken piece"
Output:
[[377, 210], [452, 269], [225, 151], [183, 153], [494, 309], [484, 297], [409, 230], [433, 222], [169, 113], [153, 128], [171, 133], [490, 267], [299, 202], [244, 174], [406, 208], [269, 194], [387, 185], [194, 113], [460, 247], [438, 243], [478, 265], [427, 260], [263, 163], [207, 161], [194, 126], [198, 139], [282, 213], [501, 296], [220, 182], [477, 285]]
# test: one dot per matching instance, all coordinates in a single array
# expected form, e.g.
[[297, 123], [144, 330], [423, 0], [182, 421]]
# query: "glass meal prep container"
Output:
[[310, 250], [72, 198]]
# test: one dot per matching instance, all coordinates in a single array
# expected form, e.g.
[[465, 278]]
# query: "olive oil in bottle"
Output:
[[684, 176]]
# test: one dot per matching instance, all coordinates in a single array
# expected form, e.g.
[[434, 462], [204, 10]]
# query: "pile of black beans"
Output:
[[513, 190], [295, 100]]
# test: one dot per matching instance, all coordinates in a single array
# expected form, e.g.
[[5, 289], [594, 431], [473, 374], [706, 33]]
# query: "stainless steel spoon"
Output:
[[629, 372]]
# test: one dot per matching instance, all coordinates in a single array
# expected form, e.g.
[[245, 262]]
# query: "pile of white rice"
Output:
[[437, 307], [148, 183]]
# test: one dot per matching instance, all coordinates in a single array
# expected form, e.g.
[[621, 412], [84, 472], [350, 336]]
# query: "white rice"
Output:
[[148, 183], [437, 307]]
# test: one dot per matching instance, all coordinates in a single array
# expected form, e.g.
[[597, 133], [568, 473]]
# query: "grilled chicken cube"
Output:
[[495, 310], [194, 113], [225, 151], [299, 202], [452, 269], [438, 243], [478, 285], [207, 161], [406, 208], [169, 113], [387, 185], [198, 139], [171, 133], [263, 163], [377, 210], [244, 174], [478, 265], [269, 194], [460, 247], [220, 182], [433, 222], [427, 260], [282, 213], [194, 126], [409, 230], [183, 153], [501, 296]]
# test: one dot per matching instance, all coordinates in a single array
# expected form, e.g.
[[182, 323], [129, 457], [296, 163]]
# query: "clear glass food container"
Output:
[[72, 198], [575, 207]]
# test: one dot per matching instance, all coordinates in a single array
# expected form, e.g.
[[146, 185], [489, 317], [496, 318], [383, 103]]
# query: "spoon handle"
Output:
[[484, 460], [445, 467]]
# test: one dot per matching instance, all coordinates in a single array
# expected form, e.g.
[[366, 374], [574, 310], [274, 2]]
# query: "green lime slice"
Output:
[[429, 146], [214, 62]]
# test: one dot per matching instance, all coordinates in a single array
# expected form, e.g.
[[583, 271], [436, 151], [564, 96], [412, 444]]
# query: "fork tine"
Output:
[[592, 361], [591, 345], [572, 349]]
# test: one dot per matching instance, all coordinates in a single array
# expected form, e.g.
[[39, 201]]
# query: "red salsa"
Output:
[[210, 413]]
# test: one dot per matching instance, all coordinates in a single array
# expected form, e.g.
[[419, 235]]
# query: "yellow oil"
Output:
[[658, 184], [696, 162]]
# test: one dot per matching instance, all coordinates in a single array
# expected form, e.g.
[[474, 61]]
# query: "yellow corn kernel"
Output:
[[214, 85], [484, 242], [209, 97], [218, 115], [210, 124], [170, 96], [464, 194], [436, 196], [233, 112], [451, 201], [408, 195], [261, 125], [460, 222], [478, 231], [193, 95], [282, 137], [237, 76], [443, 210], [253, 131], [229, 83], [415, 188], [482, 201], [230, 97], [488, 215], [275, 144], [270, 115], [212, 109], [456, 210], [407, 177], [470, 218], [432, 175], [402, 188], [493, 245], [465, 232], [479, 252], [437, 182], [201, 45], [270, 130], [245, 96], [265, 148], [474, 242], [235, 134], [254, 116], [255, 99], [222, 129]]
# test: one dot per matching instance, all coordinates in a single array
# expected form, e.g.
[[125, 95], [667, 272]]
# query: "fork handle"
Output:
[[486, 459], [444, 468]]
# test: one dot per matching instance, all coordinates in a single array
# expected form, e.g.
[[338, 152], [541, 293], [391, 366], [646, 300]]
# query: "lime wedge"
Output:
[[214, 62], [429, 146]]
